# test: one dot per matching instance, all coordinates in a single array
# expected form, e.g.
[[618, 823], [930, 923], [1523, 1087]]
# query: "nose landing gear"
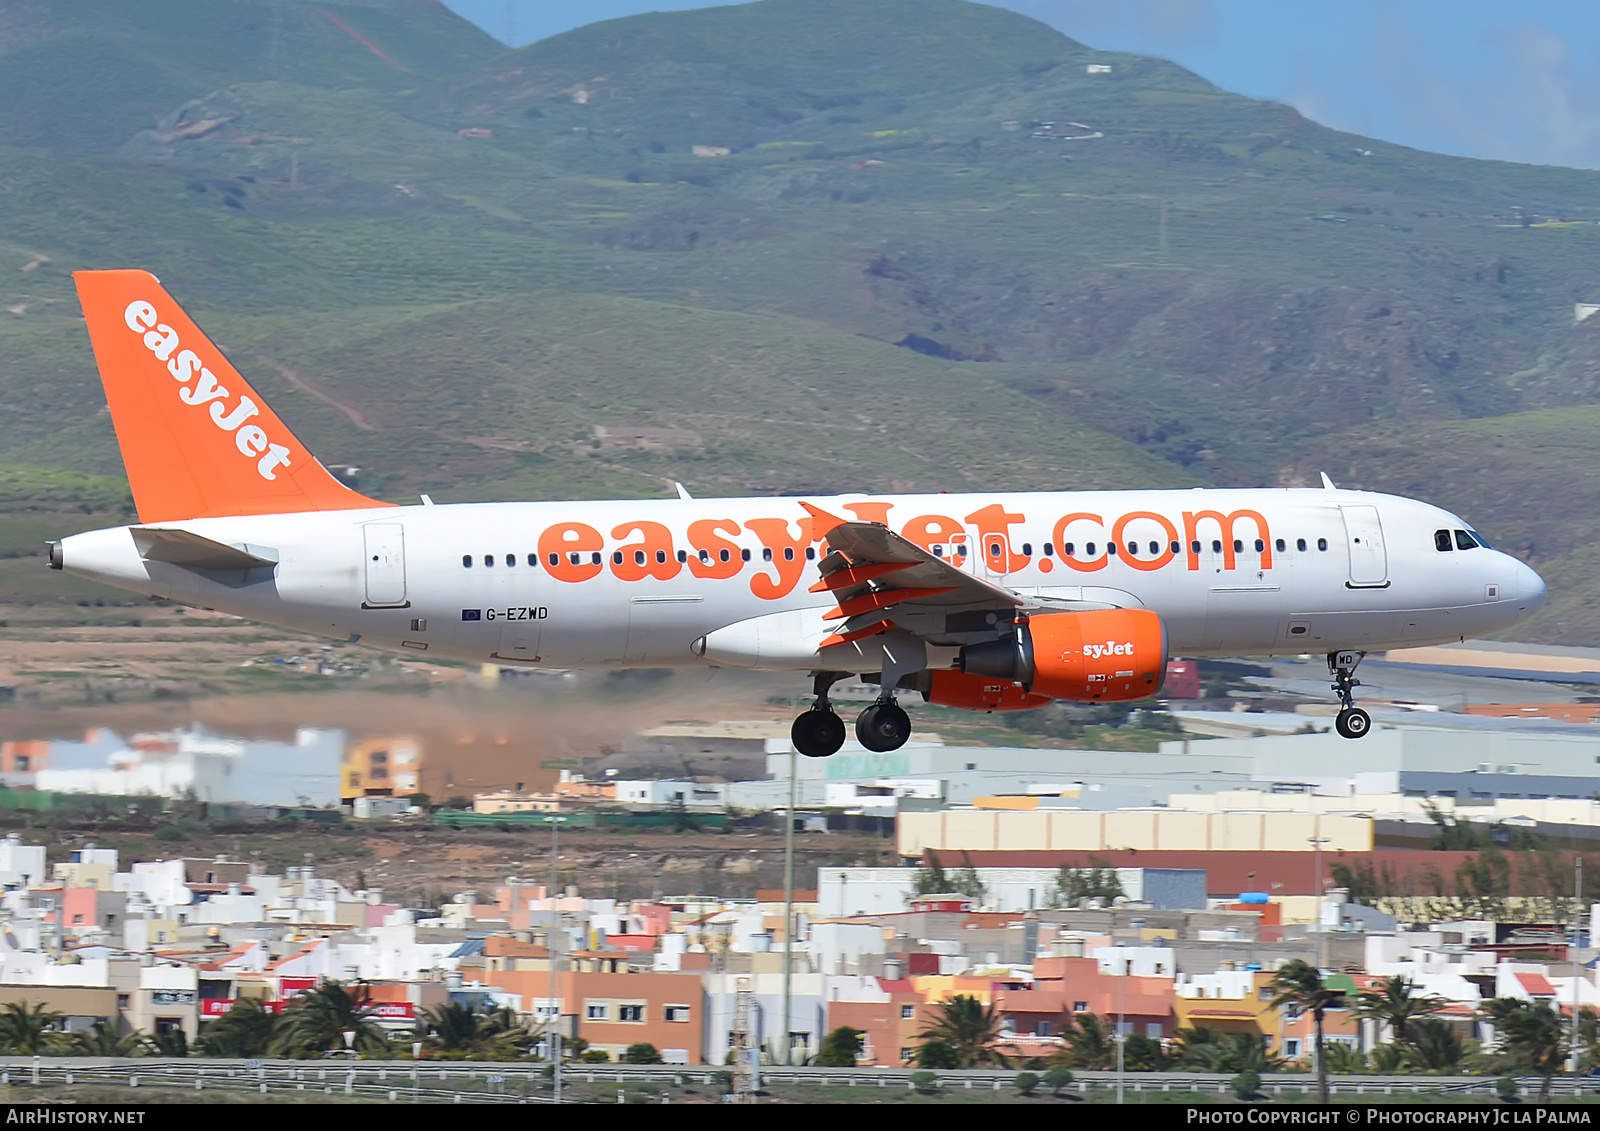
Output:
[[1352, 721], [820, 731]]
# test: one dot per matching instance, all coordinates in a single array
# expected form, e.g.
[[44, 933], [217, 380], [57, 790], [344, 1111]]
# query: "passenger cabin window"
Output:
[[723, 554], [1261, 546], [555, 560], [1216, 546], [1066, 549], [1464, 541], [766, 554], [594, 558], [1027, 549], [511, 559], [1322, 543], [661, 557], [638, 557], [488, 559], [811, 553], [1177, 547], [683, 555], [1238, 546], [788, 553], [1133, 549], [1194, 547], [1049, 550], [1280, 545], [533, 561], [961, 550], [938, 551], [466, 561], [1441, 541], [1300, 544], [744, 555]]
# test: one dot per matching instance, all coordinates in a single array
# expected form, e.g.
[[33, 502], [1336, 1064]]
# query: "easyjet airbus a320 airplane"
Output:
[[990, 602]]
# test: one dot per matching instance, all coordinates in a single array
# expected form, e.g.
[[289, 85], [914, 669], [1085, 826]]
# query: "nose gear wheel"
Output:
[[1351, 721]]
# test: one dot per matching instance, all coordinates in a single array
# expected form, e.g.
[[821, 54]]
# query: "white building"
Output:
[[206, 767]]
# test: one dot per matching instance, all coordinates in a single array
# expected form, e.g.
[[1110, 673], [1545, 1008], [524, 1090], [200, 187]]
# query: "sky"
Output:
[[1475, 78]]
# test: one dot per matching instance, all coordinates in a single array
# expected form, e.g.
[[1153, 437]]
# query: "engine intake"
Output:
[[1100, 656]]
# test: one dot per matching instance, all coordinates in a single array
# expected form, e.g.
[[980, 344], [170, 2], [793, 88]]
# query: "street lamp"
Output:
[[553, 1011]]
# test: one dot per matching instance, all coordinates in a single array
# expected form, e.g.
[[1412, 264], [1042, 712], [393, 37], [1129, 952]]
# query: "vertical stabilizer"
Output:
[[196, 439]]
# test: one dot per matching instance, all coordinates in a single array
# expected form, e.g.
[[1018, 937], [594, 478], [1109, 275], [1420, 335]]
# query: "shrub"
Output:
[[1027, 1082], [641, 1053], [1058, 1078], [595, 1056], [840, 1048], [925, 1082], [1506, 1088], [1247, 1084]]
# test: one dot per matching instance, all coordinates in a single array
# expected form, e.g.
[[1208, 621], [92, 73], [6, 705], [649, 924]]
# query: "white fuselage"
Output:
[[1369, 576]]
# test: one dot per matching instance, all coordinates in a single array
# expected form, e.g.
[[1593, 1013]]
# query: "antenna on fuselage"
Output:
[[683, 492], [1327, 484]]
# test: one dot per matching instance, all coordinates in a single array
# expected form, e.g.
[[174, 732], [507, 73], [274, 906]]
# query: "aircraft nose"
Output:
[[1530, 588]]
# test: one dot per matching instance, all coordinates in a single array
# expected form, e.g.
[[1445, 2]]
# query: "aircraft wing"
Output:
[[882, 580]]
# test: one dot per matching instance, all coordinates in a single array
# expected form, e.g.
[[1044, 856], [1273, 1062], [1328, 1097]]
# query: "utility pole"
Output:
[[554, 1009], [788, 907], [1577, 901], [1122, 1040], [1322, 929]]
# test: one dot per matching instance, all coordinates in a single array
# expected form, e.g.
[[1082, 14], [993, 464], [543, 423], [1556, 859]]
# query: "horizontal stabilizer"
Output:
[[183, 548]]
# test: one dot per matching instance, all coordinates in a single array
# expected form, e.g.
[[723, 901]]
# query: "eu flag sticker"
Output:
[[471, 614]]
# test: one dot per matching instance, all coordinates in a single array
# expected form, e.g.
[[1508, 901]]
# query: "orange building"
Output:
[[24, 757], [612, 1009], [381, 767], [890, 1027]]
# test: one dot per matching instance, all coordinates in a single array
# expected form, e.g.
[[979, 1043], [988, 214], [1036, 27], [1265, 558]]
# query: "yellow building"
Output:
[[381, 767]]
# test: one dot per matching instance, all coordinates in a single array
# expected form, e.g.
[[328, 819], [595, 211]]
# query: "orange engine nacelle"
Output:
[[1092, 657], [979, 692]]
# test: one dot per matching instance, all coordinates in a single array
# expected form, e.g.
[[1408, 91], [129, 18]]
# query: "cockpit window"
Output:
[[1441, 541], [1480, 540], [1465, 541]]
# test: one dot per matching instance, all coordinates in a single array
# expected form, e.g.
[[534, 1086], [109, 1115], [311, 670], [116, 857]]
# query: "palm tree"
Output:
[[317, 1021], [1533, 1034], [101, 1039], [493, 1034], [173, 1043], [1397, 1004], [969, 1027], [1299, 986], [1229, 1053], [1434, 1045], [1090, 1044], [244, 1031], [28, 1029]]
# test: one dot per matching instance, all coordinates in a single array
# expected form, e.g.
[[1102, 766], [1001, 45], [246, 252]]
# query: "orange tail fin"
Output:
[[197, 440]]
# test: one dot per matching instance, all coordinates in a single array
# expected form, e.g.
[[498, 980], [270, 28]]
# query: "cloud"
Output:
[[1522, 93]]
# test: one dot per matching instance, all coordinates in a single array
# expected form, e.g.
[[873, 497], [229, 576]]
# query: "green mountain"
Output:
[[795, 245]]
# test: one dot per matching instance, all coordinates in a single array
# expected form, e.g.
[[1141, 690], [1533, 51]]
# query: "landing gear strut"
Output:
[[819, 732], [1352, 721]]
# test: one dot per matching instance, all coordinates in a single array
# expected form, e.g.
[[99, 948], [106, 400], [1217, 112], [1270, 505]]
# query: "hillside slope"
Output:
[[789, 245]]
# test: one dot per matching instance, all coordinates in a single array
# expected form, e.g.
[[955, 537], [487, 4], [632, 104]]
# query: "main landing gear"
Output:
[[1352, 721], [819, 732]]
